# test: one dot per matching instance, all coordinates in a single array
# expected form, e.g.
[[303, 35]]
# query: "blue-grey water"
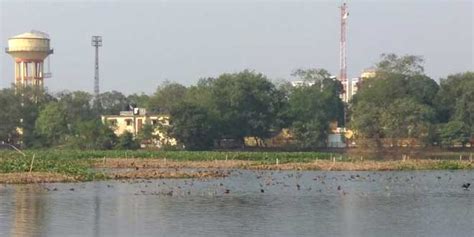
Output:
[[248, 203]]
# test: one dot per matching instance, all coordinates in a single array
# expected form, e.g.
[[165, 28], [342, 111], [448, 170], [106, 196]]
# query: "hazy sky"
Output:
[[147, 42]]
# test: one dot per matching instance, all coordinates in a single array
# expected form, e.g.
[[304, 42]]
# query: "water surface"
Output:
[[248, 203]]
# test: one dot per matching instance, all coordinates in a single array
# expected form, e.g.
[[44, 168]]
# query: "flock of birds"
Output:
[[265, 179]]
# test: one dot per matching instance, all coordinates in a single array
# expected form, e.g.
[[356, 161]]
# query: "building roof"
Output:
[[31, 35]]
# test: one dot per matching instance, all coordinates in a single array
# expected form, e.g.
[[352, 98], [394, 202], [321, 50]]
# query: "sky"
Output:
[[148, 42]]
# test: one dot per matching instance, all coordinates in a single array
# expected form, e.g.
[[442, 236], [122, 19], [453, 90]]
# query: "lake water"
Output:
[[248, 203]]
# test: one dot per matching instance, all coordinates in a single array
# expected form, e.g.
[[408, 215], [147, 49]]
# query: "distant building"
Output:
[[353, 85], [133, 122], [302, 83], [336, 136], [368, 73]]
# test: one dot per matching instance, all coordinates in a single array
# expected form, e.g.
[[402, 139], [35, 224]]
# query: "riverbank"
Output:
[[77, 166]]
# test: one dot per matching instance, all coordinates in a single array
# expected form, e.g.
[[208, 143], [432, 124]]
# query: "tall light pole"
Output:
[[96, 42]]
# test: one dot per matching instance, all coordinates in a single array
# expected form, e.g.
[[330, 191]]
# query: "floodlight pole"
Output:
[[96, 42]]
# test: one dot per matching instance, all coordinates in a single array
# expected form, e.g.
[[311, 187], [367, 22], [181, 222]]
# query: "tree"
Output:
[[111, 102], [127, 142], [454, 94], [408, 118], [193, 126], [464, 110], [455, 104], [78, 107], [247, 103], [52, 124], [454, 132], [9, 115], [141, 100], [409, 65], [311, 75], [32, 100], [365, 121], [311, 134], [146, 134], [312, 108], [397, 103], [422, 88], [166, 97], [92, 134]]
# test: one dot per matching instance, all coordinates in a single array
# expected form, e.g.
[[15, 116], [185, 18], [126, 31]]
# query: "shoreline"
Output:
[[155, 168]]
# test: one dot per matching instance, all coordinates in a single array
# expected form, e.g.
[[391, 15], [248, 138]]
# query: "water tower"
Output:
[[29, 51]]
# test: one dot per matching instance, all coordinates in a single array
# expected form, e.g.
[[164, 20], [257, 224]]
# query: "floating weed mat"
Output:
[[271, 157], [47, 162]]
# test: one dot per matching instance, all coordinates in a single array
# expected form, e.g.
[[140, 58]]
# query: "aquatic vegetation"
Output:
[[47, 161], [82, 165]]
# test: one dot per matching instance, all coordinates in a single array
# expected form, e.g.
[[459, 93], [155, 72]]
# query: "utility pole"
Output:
[[96, 42]]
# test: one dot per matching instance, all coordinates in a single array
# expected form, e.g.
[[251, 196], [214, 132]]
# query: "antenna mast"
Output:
[[96, 42], [343, 65]]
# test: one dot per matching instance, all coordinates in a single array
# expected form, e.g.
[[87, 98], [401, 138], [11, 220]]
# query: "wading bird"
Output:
[[466, 186]]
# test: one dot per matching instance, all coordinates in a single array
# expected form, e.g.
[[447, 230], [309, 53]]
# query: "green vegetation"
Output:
[[400, 106], [84, 155], [8, 116], [47, 161], [79, 164], [312, 108], [442, 165], [127, 142], [401, 103]]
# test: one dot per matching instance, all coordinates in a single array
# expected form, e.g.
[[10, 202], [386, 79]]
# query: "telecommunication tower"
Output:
[[96, 42], [342, 49]]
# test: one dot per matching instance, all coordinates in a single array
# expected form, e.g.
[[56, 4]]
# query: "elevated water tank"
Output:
[[29, 51]]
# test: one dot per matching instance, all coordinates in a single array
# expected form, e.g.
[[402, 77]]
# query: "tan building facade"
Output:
[[134, 121]]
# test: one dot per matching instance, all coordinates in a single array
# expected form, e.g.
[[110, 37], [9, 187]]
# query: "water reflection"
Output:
[[325, 204], [96, 212], [29, 211]]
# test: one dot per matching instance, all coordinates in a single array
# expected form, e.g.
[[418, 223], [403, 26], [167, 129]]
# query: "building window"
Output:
[[113, 122], [129, 122], [154, 122]]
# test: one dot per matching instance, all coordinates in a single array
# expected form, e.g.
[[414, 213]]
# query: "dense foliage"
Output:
[[400, 105]]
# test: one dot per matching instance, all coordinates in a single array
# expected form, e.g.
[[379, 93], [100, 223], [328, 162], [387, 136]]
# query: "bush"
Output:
[[127, 142]]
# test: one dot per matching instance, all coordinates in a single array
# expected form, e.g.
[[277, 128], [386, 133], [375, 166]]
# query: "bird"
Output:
[[466, 186], [262, 191], [227, 191]]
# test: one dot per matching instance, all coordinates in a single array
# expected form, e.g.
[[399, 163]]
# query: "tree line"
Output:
[[399, 104]]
